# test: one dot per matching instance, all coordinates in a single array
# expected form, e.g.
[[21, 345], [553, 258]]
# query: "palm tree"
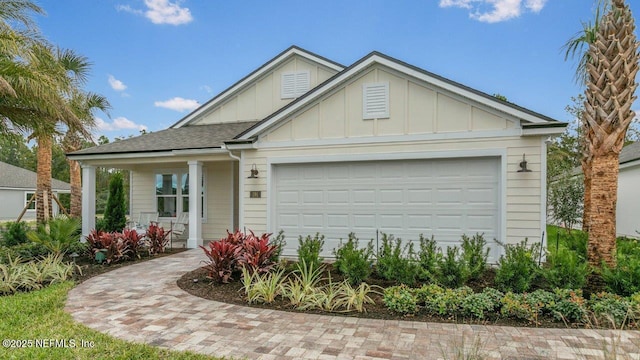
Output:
[[26, 87], [70, 71], [84, 104], [611, 84], [574, 47]]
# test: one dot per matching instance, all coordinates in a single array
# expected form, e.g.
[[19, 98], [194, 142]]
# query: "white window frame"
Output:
[[26, 200], [179, 196], [369, 112], [301, 84]]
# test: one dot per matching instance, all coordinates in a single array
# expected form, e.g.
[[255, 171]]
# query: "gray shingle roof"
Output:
[[630, 152], [16, 177], [186, 137]]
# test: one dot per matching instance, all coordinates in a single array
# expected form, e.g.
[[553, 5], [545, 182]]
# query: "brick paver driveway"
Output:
[[142, 303]]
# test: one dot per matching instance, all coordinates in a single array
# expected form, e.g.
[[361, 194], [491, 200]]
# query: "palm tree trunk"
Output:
[[75, 178], [43, 185], [586, 211], [602, 222]]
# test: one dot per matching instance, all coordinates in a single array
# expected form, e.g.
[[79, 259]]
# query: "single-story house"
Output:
[[17, 186], [304, 144], [628, 206]]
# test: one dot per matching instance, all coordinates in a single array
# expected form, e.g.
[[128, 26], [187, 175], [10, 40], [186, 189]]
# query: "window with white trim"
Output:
[[375, 100], [172, 194], [294, 84], [27, 197]]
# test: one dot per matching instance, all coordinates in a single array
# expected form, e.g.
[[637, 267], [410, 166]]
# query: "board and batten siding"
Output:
[[263, 96], [415, 108], [523, 190], [219, 194]]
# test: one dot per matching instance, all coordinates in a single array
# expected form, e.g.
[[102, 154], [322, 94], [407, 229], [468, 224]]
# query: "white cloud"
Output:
[[493, 11], [116, 84], [178, 104], [207, 88], [129, 9], [162, 12], [535, 5], [119, 123]]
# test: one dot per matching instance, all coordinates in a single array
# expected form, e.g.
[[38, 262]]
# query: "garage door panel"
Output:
[[315, 221], [444, 198], [312, 197], [364, 197], [390, 197], [288, 220], [448, 222], [483, 196], [337, 221], [364, 221], [338, 197]]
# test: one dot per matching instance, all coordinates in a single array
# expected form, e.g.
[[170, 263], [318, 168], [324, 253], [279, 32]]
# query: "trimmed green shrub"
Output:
[[14, 233], [448, 302], [429, 257], [516, 306], [115, 212], [478, 305], [624, 278], [309, 249], [400, 299], [517, 269], [565, 269], [353, 262], [397, 263], [452, 270], [569, 306], [27, 251], [610, 309], [475, 253]]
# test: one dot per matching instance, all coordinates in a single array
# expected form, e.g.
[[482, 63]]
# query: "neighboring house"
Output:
[[628, 207], [306, 145], [17, 185]]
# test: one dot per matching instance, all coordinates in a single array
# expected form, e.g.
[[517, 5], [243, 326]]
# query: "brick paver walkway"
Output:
[[142, 303]]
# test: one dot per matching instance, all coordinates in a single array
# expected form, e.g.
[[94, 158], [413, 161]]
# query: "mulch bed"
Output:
[[198, 284]]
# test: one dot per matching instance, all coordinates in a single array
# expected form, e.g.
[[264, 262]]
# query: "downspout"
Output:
[[240, 185]]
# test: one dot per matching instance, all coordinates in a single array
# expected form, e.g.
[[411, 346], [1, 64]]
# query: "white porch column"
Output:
[[195, 204], [88, 200]]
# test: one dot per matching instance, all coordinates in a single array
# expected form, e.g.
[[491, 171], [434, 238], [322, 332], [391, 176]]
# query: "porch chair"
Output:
[[145, 219], [179, 227]]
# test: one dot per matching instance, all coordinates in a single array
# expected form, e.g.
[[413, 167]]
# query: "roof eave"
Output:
[[410, 70], [266, 67]]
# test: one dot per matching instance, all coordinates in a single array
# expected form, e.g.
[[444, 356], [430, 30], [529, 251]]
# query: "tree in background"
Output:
[[115, 212], [84, 106]]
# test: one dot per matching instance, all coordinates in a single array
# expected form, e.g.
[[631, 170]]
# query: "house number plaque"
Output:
[[255, 194]]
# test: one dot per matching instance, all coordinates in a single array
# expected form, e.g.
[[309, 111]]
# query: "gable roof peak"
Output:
[[245, 81]]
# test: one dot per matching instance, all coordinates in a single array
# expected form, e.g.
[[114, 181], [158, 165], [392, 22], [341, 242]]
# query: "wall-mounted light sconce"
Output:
[[254, 172], [523, 165]]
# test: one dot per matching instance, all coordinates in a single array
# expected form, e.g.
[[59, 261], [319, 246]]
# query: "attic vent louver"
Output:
[[375, 100], [295, 84]]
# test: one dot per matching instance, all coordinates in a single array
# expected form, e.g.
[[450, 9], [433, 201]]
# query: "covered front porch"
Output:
[[204, 185]]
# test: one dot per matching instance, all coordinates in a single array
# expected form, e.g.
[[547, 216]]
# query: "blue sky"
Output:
[[155, 60]]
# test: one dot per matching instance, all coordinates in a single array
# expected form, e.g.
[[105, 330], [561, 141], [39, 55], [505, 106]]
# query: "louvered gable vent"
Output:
[[375, 100], [295, 84]]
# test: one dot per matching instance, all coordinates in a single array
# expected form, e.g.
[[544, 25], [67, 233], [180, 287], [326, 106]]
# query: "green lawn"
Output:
[[40, 315]]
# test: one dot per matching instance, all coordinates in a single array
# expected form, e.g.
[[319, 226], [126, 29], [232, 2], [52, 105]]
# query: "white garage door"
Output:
[[443, 197]]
